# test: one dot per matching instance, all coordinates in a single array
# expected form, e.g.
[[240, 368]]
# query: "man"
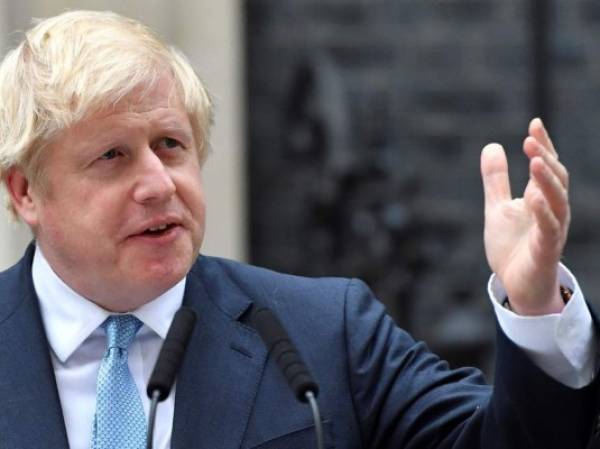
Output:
[[103, 132]]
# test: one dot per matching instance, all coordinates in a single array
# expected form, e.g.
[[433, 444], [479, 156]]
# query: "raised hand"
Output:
[[524, 237]]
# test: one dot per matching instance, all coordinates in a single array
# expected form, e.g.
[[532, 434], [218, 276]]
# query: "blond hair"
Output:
[[72, 65]]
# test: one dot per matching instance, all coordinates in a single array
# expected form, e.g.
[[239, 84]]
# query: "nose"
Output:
[[153, 181]]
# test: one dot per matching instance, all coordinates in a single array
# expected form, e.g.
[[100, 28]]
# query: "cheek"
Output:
[[198, 208], [84, 213], [199, 202], [51, 229], [57, 235], [192, 194]]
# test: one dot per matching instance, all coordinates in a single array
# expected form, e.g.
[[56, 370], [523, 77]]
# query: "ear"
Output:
[[24, 202]]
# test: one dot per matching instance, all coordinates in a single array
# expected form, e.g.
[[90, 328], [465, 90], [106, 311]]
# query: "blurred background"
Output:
[[348, 134]]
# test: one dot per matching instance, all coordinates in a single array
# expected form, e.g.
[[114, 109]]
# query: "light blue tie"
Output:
[[119, 422]]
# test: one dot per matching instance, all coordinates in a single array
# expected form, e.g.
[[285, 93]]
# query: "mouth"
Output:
[[158, 231]]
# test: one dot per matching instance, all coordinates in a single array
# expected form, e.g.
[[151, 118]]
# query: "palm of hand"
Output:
[[524, 237], [517, 249]]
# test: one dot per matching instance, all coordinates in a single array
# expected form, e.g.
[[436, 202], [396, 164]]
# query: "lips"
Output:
[[156, 227], [156, 230]]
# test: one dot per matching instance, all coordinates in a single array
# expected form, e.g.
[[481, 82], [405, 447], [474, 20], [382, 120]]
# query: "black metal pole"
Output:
[[539, 15]]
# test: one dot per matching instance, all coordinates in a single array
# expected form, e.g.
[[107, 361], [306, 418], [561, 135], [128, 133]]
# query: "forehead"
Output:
[[162, 93], [158, 103]]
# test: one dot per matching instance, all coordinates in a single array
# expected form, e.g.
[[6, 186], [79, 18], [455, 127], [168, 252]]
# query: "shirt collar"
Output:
[[69, 318]]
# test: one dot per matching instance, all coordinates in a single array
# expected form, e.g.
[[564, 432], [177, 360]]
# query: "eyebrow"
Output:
[[183, 130], [172, 120], [109, 129], [172, 123]]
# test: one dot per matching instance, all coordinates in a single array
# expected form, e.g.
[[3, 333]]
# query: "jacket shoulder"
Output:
[[16, 284], [242, 272], [271, 288]]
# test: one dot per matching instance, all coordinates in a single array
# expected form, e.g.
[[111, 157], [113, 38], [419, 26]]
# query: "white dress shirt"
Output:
[[563, 345], [78, 343]]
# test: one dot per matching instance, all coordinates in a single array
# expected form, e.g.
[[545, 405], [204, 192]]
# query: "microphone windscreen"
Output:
[[171, 353], [284, 352]]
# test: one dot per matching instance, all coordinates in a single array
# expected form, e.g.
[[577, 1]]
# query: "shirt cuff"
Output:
[[562, 344]]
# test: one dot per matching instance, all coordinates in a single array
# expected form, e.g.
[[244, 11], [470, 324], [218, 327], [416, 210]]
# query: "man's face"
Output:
[[121, 217]]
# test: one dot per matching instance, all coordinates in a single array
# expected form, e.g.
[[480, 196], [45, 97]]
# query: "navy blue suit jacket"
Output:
[[379, 387]]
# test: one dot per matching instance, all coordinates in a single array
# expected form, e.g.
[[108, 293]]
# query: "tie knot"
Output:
[[120, 330]]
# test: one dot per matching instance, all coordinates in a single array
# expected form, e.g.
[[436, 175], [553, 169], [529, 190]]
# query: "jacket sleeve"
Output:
[[406, 397]]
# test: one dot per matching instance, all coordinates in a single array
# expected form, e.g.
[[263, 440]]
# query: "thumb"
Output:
[[494, 173]]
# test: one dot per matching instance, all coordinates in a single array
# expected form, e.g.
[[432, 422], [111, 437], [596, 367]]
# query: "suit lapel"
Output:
[[222, 367], [28, 392]]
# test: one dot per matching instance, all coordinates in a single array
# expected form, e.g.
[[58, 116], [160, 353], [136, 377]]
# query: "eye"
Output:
[[168, 143], [171, 143], [110, 154]]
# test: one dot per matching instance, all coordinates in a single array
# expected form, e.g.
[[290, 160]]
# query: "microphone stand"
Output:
[[152, 417], [310, 397]]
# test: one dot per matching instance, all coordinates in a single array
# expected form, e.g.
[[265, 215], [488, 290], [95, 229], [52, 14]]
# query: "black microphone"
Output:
[[284, 352], [287, 357], [168, 363], [171, 353]]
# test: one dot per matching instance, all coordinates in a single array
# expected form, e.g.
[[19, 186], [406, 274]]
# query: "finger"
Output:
[[538, 130], [546, 221], [494, 173], [533, 148], [551, 188]]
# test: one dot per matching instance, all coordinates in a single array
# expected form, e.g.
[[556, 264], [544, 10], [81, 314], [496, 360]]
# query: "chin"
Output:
[[165, 273]]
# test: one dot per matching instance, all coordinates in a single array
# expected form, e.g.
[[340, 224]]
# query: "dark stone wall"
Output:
[[575, 101], [366, 120]]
